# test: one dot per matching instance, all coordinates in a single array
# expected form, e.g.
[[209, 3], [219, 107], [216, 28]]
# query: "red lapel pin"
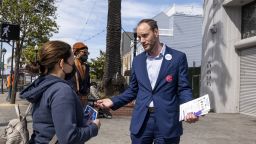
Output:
[[168, 78]]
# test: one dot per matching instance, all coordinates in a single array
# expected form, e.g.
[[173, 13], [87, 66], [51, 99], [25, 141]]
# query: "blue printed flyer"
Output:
[[90, 113]]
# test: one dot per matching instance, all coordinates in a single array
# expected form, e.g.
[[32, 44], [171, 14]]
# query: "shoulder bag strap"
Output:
[[54, 140], [28, 109], [17, 110]]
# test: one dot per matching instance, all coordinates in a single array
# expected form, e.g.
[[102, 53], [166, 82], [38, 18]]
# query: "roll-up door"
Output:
[[248, 81]]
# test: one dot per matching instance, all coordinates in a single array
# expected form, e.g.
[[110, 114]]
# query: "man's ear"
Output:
[[156, 32]]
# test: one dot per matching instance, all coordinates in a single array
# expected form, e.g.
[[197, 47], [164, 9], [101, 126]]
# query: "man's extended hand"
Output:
[[104, 103], [191, 118]]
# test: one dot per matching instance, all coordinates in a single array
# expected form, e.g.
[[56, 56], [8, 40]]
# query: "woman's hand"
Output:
[[97, 122]]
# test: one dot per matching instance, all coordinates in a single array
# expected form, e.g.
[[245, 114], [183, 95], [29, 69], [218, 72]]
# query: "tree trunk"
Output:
[[113, 60]]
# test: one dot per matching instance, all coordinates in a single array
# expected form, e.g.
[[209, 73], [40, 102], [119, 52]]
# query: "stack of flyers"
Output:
[[90, 113], [199, 106]]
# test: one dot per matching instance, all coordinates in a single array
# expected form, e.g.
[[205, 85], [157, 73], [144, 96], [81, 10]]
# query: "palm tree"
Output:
[[113, 60]]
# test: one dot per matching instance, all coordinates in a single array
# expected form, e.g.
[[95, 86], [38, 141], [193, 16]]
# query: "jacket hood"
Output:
[[35, 90]]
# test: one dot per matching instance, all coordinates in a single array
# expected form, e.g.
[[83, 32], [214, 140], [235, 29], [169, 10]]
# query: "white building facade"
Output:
[[180, 27], [228, 72]]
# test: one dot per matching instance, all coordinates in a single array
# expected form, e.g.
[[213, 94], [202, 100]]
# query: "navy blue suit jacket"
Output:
[[171, 89]]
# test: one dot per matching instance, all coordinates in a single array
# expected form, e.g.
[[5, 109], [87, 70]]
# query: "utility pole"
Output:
[[134, 43], [13, 96], [3, 51]]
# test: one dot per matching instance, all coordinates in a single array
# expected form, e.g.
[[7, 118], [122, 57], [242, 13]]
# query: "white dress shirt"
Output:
[[153, 68]]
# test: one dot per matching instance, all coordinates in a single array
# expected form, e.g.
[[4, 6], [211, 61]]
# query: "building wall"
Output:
[[186, 37], [126, 39], [126, 50], [220, 71], [160, 18], [126, 65]]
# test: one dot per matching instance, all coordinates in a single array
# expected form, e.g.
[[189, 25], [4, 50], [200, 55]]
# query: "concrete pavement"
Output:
[[211, 129]]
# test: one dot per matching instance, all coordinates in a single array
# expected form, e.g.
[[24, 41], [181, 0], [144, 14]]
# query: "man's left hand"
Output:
[[191, 118]]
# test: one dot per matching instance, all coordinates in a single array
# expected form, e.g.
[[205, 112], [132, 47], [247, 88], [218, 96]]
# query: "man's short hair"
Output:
[[152, 23]]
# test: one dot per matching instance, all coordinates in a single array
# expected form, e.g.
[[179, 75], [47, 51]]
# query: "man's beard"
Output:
[[150, 47]]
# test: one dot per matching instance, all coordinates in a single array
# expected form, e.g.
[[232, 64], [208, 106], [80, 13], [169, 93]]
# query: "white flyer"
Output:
[[199, 106]]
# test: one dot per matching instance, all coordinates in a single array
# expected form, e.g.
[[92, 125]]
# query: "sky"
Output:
[[86, 20]]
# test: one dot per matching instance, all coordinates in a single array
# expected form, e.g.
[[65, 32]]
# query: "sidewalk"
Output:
[[211, 129], [7, 111]]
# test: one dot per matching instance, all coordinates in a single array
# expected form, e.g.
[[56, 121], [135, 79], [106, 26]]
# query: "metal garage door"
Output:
[[248, 81]]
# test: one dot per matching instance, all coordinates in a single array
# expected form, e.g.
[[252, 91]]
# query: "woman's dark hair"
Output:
[[50, 54], [152, 23]]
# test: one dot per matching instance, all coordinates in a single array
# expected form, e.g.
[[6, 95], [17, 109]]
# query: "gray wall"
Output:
[[162, 20], [220, 61], [187, 35], [126, 42]]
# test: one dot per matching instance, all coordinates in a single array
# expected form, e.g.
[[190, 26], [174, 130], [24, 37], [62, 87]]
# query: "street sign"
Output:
[[10, 32]]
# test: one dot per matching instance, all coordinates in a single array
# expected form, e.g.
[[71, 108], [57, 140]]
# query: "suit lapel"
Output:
[[144, 72], [164, 67]]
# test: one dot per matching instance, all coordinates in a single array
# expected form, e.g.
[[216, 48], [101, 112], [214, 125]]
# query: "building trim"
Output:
[[245, 43], [236, 2]]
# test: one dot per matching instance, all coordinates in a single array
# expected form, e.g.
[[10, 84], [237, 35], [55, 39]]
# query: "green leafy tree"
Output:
[[37, 22], [29, 55], [113, 59], [97, 67]]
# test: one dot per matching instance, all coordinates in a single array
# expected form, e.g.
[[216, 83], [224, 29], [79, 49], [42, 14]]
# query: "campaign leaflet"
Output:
[[199, 106], [90, 113]]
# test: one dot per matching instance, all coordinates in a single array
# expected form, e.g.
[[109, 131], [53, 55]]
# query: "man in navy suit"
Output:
[[159, 84]]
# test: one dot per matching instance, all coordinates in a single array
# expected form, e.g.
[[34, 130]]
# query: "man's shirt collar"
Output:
[[160, 55]]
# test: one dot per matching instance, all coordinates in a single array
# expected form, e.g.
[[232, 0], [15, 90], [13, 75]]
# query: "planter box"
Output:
[[124, 111]]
